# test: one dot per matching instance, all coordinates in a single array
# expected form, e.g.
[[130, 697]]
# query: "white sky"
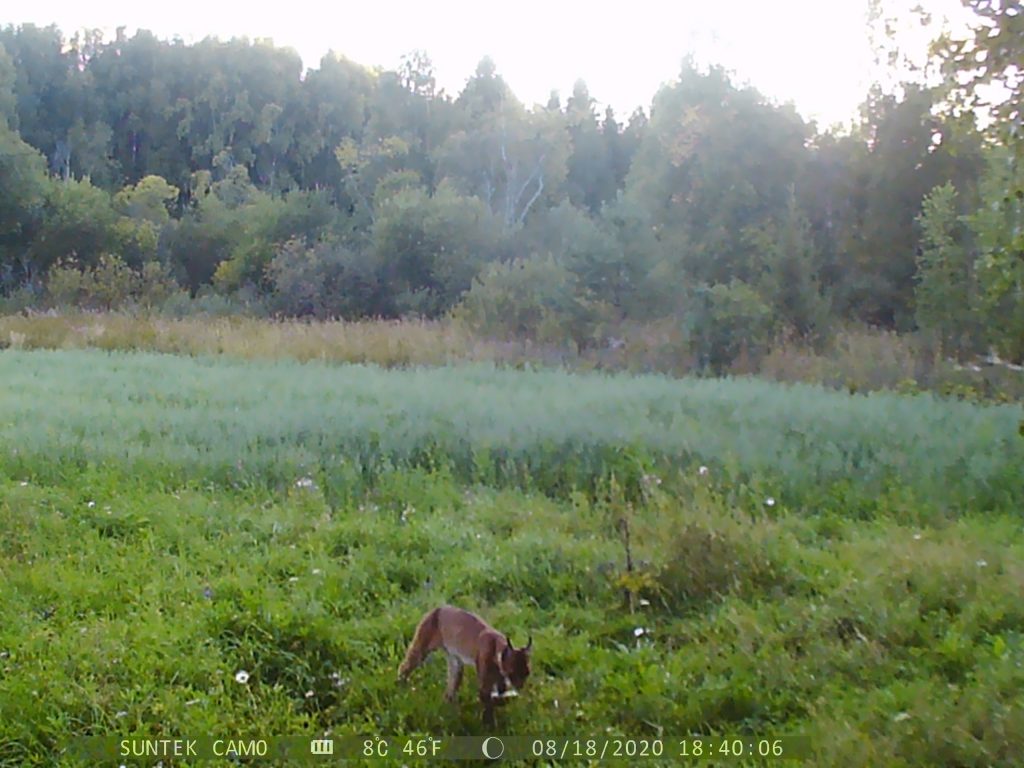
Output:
[[815, 53]]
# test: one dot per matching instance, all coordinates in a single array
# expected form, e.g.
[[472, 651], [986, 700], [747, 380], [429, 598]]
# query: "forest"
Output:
[[155, 176]]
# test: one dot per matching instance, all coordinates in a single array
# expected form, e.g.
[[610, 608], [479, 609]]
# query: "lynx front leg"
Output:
[[488, 691], [455, 668]]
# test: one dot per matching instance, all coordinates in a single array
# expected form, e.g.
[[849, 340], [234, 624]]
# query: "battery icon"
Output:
[[321, 746]]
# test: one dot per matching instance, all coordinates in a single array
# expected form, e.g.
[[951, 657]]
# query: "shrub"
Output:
[[530, 298], [729, 320], [858, 359], [156, 284], [323, 281], [428, 248], [111, 284], [79, 223], [66, 284], [21, 299], [209, 303], [711, 559]]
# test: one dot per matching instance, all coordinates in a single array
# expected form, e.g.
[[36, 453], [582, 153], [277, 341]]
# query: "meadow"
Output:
[[798, 561], [858, 359]]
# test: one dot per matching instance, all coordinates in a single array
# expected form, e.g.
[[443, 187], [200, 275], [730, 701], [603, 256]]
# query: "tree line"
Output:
[[150, 172]]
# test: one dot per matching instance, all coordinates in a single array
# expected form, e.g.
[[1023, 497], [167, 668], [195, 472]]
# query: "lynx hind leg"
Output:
[[455, 669], [426, 640]]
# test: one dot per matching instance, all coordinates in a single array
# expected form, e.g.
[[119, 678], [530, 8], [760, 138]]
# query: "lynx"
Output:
[[501, 669]]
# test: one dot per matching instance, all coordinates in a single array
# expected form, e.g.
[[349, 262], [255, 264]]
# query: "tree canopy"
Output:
[[350, 191]]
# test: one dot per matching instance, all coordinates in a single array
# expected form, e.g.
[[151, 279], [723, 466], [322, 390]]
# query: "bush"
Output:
[[711, 559], [66, 284], [429, 248], [20, 299], [79, 222], [529, 298], [156, 284], [109, 285], [858, 359], [730, 320], [112, 283], [209, 303], [324, 281]]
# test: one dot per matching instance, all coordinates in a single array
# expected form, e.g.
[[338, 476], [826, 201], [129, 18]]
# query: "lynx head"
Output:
[[515, 663]]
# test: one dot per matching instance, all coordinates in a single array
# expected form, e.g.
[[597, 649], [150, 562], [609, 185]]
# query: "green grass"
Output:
[[882, 643], [153, 543], [229, 422]]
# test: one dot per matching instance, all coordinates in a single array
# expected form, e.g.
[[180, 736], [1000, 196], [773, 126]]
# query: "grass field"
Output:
[[845, 568], [857, 359]]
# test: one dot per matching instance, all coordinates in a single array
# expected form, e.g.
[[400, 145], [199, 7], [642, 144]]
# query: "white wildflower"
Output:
[[338, 680], [317, 571], [241, 676], [644, 602], [703, 470], [305, 482], [901, 717], [639, 632], [917, 537], [769, 502], [91, 504], [310, 694], [981, 563]]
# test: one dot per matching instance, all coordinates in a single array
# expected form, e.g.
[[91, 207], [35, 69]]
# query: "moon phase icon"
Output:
[[492, 748]]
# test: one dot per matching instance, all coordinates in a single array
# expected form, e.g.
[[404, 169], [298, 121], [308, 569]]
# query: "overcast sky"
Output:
[[814, 53]]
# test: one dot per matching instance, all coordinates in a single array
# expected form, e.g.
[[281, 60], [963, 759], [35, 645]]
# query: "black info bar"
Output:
[[331, 749]]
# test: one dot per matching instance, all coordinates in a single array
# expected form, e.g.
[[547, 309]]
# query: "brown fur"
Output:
[[468, 639]]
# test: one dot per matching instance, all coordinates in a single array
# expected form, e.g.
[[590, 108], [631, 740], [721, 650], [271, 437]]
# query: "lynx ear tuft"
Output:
[[529, 644]]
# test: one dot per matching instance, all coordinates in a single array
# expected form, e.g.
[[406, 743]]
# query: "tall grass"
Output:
[[380, 342], [233, 422], [867, 360], [855, 360]]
